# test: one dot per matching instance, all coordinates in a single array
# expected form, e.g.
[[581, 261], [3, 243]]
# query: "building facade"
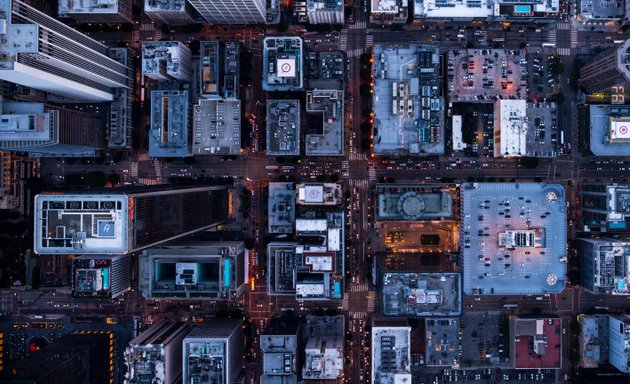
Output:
[[607, 69], [125, 221], [42, 53], [171, 12], [603, 265], [232, 11], [96, 11]]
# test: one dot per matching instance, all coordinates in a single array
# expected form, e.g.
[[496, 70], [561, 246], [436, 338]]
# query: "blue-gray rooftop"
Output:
[[513, 238]]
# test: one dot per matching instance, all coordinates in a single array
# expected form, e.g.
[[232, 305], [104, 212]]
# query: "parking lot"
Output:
[[490, 375], [541, 82], [485, 75]]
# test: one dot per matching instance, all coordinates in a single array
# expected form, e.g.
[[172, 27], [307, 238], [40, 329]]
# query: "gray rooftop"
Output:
[[164, 5], [600, 117], [283, 127], [163, 60], [542, 130], [391, 354], [412, 202], [513, 238], [442, 342], [328, 140], [282, 63], [87, 6], [169, 131], [408, 100], [217, 127], [599, 10], [281, 208], [414, 294]]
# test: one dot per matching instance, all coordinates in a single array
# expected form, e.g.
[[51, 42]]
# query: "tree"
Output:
[[558, 98], [529, 162], [96, 179]]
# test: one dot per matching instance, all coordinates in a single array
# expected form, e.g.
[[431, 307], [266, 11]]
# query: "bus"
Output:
[[549, 45]]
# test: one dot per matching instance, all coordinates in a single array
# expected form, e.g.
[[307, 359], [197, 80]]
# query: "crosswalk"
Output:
[[574, 38], [357, 156], [359, 288], [359, 183], [158, 168], [355, 52], [358, 25], [372, 174], [371, 295], [344, 303], [357, 315], [133, 169], [564, 51], [158, 35], [369, 40], [551, 35], [147, 27], [343, 40], [563, 25]]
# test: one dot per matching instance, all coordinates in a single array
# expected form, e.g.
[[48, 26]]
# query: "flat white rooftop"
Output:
[[510, 128], [391, 354]]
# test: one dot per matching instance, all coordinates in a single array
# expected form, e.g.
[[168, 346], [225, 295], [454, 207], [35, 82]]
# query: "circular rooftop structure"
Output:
[[411, 205], [551, 279]]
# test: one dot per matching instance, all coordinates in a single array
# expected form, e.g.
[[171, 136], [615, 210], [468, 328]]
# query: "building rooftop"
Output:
[[81, 224], [280, 343], [231, 70], [210, 68], [412, 202], [164, 60], [391, 354], [327, 107], [282, 63], [281, 208], [324, 70], [619, 342], [87, 6], [485, 75], [319, 194], [443, 348], [605, 207], [510, 128], [593, 340], [537, 342], [324, 358], [483, 339], [164, 5], [217, 127], [513, 238], [324, 5], [169, 134], [598, 10], [542, 130], [609, 129], [604, 265], [408, 100], [283, 127], [449, 9], [415, 294]]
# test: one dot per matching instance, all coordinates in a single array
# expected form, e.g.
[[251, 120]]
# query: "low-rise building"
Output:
[[194, 270], [319, 194], [416, 294], [594, 11], [609, 129], [327, 106], [324, 349], [325, 11], [101, 276], [536, 342], [391, 352], [281, 208], [593, 340], [171, 12], [283, 127], [619, 342], [388, 11], [281, 346], [169, 132], [217, 127]]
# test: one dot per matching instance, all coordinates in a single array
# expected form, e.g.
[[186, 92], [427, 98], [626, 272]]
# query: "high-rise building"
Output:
[[154, 356], [125, 220], [40, 52], [603, 265], [619, 342], [120, 121], [198, 270], [71, 359], [605, 208], [96, 11], [101, 276], [172, 12], [166, 60], [607, 69], [232, 11], [281, 345], [46, 131], [325, 11], [213, 352]]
